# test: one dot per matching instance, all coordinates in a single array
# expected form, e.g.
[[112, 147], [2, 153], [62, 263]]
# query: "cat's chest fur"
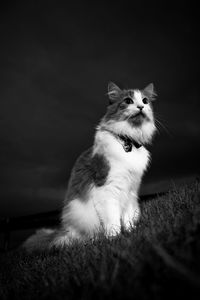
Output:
[[125, 167]]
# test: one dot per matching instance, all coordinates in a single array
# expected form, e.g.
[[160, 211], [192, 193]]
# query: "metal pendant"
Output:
[[127, 146]]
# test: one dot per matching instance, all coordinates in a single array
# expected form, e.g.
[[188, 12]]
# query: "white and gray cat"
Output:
[[102, 192]]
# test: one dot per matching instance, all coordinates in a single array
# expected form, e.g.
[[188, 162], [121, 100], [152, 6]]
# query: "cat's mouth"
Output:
[[137, 118], [140, 113]]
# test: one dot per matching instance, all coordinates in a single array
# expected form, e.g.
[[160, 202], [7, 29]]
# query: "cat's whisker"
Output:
[[161, 119], [162, 126], [158, 128]]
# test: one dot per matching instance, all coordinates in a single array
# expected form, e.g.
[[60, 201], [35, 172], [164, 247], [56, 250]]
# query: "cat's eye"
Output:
[[145, 100], [128, 100]]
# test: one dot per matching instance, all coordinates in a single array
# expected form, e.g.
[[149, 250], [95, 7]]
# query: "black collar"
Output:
[[126, 141]]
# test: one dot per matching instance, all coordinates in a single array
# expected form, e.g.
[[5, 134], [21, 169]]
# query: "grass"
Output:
[[159, 259]]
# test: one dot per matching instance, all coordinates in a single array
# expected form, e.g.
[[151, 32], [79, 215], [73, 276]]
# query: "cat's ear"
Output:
[[114, 92], [149, 90]]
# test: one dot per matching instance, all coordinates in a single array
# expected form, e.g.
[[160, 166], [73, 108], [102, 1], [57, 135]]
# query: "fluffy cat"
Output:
[[102, 192]]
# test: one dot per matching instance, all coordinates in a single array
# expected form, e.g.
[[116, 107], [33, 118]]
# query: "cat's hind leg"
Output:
[[65, 237]]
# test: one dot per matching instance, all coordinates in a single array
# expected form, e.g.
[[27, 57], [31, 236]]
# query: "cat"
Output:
[[102, 193]]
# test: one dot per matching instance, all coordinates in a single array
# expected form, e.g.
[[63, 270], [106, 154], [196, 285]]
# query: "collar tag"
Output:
[[127, 146], [126, 142]]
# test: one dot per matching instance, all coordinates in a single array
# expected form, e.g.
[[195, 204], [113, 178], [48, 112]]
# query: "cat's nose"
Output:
[[140, 107]]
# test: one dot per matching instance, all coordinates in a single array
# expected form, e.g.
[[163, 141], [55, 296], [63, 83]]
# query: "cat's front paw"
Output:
[[130, 218], [112, 230]]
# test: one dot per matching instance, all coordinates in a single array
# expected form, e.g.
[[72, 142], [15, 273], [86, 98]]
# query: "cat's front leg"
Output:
[[112, 229], [112, 223], [131, 216]]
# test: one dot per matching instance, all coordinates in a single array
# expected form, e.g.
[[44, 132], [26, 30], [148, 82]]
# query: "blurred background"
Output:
[[56, 59]]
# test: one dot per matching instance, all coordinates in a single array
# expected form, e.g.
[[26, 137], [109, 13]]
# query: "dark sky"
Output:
[[55, 62]]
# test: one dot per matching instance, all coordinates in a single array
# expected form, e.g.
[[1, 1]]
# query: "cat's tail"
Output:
[[41, 240], [45, 239]]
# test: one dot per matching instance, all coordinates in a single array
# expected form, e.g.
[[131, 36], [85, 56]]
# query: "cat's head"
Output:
[[130, 112]]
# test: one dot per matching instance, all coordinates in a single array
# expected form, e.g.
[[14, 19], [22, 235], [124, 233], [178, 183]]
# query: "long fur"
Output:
[[112, 202]]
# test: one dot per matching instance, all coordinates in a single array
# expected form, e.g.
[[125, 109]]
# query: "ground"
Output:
[[159, 259]]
